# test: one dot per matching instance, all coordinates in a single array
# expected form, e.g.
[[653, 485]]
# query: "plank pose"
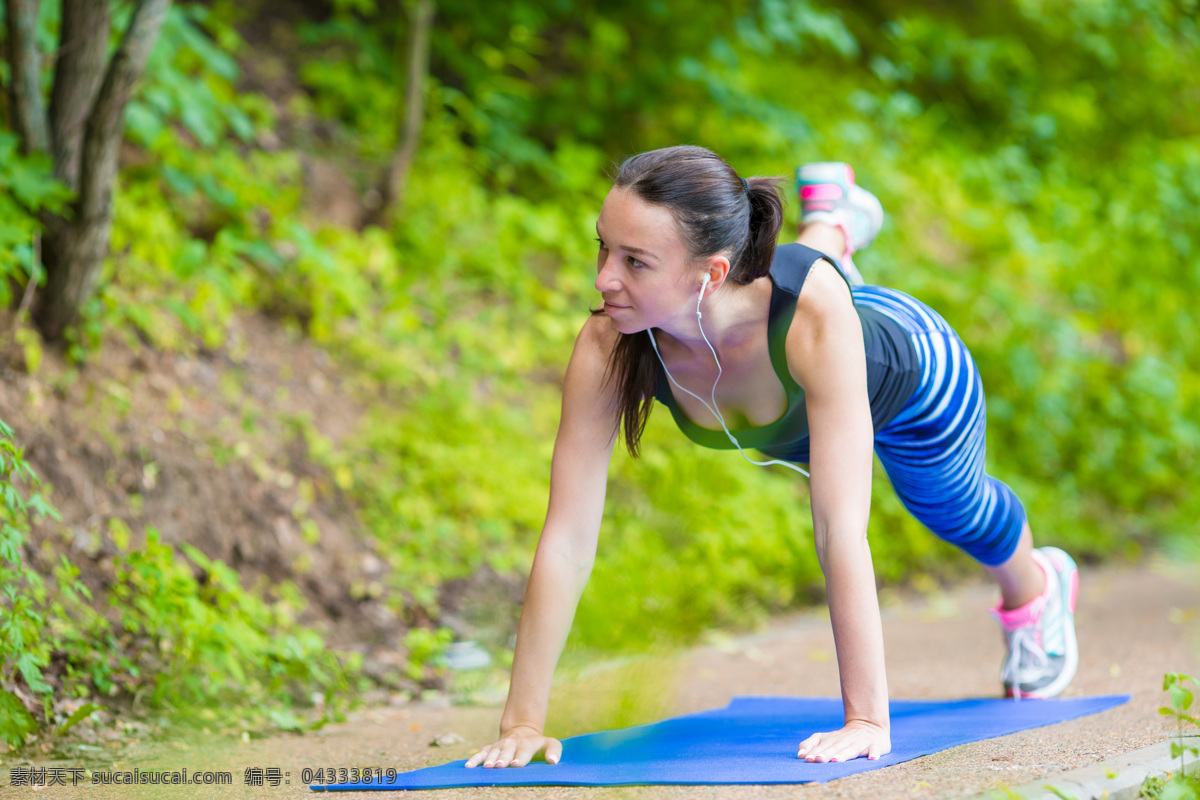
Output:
[[750, 345]]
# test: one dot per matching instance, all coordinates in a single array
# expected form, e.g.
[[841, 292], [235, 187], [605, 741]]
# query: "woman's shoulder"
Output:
[[593, 352], [597, 335], [589, 395], [791, 265], [824, 313], [825, 291]]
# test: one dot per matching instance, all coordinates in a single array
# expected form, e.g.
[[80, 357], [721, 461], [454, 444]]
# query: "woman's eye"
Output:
[[635, 263], [601, 243]]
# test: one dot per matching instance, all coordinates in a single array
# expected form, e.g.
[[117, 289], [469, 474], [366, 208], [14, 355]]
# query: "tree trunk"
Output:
[[392, 193], [74, 250], [25, 62], [77, 78]]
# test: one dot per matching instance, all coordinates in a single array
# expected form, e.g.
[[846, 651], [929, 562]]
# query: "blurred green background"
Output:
[[1039, 163]]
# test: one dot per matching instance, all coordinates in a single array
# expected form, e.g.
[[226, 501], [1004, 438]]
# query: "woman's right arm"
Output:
[[565, 551]]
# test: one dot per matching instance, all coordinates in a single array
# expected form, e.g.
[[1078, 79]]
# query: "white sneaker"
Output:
[[1042, 651], [828, 194]]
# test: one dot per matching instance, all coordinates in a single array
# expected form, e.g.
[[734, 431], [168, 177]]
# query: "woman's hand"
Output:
[[516, 748], [857, 738]]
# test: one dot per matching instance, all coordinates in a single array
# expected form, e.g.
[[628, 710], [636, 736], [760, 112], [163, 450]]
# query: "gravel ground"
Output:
[[1134, 624]]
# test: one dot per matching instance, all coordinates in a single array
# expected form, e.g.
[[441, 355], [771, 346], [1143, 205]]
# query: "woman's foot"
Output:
[[829, 195], [1042, 651]]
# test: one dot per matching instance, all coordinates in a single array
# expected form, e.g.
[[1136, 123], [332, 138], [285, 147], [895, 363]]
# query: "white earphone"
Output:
[[704, 281]]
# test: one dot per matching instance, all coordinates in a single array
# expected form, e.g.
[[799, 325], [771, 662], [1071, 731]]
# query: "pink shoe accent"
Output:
[[821, 191], [1074, 590], [849, 175], [817, 206], [1013, 618]]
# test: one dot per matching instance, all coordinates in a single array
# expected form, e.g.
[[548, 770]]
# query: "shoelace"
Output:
[[1022, 640]]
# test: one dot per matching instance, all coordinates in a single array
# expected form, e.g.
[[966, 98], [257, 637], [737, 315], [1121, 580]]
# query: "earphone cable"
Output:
[[713, 409]]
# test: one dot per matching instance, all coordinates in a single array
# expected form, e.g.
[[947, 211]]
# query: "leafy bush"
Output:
[[1040, 196], [169, 634], [24, 647], [1184, 784], [203, 640], [977, 149]]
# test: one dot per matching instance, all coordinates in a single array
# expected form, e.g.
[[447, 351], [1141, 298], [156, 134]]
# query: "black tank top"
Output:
[[893, 372]]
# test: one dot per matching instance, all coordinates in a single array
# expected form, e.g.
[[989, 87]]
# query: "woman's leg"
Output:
[[1021, 579], [830, 197], [823, 238], [933, 452]]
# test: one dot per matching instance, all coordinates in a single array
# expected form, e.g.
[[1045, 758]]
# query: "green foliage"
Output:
[[178, 632], [173, 632], [24, 648], [1184, 784], [426, 651], [205, 640], [202, 218], [1040, 165], [193, 80], [1071, 292], [78, 716], [519, 77], [27, 186]]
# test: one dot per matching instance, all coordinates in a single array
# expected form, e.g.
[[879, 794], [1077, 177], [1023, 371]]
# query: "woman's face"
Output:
[[643, 269]]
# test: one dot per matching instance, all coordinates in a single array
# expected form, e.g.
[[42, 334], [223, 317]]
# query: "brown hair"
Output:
[[717, 212]]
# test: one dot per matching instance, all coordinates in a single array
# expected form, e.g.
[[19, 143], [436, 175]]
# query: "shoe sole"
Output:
[[821, 185], [815, 188]]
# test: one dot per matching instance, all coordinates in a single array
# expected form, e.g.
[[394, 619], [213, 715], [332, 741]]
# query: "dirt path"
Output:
[[1134, 624]]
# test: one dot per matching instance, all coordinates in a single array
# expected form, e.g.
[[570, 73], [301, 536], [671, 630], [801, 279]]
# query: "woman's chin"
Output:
[[626, 326], [619, 325]]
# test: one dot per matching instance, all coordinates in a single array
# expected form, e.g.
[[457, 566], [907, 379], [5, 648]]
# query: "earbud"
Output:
[[704, 281]]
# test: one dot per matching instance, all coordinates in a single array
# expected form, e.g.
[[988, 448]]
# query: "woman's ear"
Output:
[[716, 273]]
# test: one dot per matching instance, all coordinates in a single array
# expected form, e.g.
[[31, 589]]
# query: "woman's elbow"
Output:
[[836, 537]]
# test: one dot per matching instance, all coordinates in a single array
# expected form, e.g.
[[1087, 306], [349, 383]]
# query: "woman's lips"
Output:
[[608, 305]]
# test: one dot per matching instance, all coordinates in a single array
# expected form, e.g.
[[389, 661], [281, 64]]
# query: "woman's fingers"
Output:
[[493, 755], [809, 744], [516, 751], [506, 754], [526, 751], [850, 750], [489, 755], [853, 741], [484, 756]]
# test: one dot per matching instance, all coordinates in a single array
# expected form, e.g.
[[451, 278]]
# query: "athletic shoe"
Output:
[[828, 194], [1042, 651]]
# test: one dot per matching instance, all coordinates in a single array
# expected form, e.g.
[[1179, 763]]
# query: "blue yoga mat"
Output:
[[752, 740]]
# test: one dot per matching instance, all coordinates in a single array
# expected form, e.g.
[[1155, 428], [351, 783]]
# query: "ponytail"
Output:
[[766, 220]]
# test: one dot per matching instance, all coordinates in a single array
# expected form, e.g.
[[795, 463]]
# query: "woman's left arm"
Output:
[[826, 355]]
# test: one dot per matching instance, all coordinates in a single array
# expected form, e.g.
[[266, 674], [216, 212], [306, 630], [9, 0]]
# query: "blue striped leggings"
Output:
[[933, 450]]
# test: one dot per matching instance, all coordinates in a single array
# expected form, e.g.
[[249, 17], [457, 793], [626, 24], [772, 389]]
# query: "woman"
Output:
[[698, 302]]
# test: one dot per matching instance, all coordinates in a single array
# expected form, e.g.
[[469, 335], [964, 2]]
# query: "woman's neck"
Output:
[[731, 316]]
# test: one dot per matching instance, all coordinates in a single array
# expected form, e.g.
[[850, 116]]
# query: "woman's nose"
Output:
[[606, 278]]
